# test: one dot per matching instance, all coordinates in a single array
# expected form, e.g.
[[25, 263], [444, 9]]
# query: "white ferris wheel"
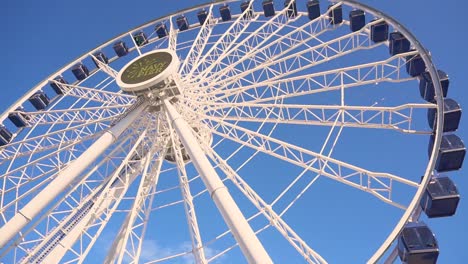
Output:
[[259, 131]]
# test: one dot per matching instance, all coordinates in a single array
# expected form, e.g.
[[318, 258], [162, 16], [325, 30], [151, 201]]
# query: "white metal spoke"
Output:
[[309, 255], [172, 35], [276, 68], [399, 117], [251, 42], [92, 94], [223, 44], [199, 45], [128, 242], [104, 67], [389, 70], [100, 201], [376, 183], [260, 47]]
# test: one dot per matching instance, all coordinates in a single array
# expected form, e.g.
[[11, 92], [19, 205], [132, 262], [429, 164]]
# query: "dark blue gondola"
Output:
[[19, 117], [379, 31], [335, 14], [120, 48], [417, 244], [357, 20], [39, 100], [452, 115], [268, 8], [225, 13], [202, 16], [244, 6], [182, 23], [451, 153], [440, 198], [57, 88], [100, 56], [398, 43], [161, 30], [140, 38], [80, 71], [292, 10], [415, 65], [313, 9], [426, 87], [5, 135]]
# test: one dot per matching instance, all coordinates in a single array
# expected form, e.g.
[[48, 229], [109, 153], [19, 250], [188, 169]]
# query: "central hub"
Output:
[[151, 72]]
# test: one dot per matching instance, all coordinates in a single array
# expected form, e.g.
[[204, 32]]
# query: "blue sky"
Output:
[[39, 37]]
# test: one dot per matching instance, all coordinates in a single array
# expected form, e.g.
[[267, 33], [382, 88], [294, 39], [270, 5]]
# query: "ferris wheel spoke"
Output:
[[390, 70], [106, 68], [260, 46], [97, 95], [251, 42], [199, 45], [42, 199], [93, 212], [222, 45], [295, 63], [75, 115], [172, 40], [57, 140], [310, 255], [398, 118], [128, 242], [376, 183], [67, 203]]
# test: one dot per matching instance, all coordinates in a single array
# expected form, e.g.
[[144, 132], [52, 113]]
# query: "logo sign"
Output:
[[148, 70]]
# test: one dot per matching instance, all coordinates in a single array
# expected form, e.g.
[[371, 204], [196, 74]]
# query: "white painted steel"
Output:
[[240, 228], [238, 76], [67, 176]]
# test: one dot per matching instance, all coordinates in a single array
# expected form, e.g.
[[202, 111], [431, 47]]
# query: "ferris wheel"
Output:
[[259, 131]]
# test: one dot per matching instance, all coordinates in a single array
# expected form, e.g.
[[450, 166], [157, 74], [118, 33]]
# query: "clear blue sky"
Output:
[[39, 37]]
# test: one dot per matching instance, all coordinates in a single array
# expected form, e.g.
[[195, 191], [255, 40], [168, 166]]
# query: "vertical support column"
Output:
[[65, 178], [248, 242]]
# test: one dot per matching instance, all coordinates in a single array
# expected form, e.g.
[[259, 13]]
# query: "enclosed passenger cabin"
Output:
[[245, 6], [415, 65], [268, 8], [451, 153], [440, 198], [120, 48], [313, 9], [140, 38], [80, 71], [292, 10], [39, 100], [225, 13], [335, 14], [100, 56], [452, 115], [161, 30], [19, 117], [171, 155], [57, 87], [5, 135], [379, 31], [182, 23], [398, 43], [417, 245], [426, 87], [202, 16], [357, 20]]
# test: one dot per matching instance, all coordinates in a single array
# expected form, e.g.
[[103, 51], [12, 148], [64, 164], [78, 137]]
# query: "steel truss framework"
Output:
[[97, 158]]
